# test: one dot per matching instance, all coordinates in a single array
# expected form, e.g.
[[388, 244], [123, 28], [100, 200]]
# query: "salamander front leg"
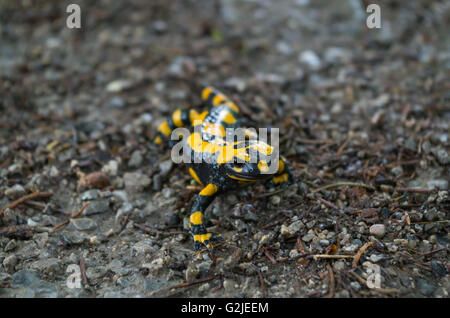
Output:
[[197, 226], [283, 177]]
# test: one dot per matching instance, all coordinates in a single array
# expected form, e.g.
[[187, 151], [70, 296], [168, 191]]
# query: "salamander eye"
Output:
[[238, 165]]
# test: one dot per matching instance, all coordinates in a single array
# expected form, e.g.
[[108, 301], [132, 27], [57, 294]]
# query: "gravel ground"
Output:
[[364, 121]]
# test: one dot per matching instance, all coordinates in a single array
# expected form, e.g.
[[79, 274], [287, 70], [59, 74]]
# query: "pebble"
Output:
[[97, 207], [229, 285], [83, 224], [135, 159], [355, 285], [376, 257], [90, 195], [442, 156], [171, 218], [111, 168], [339, 266], [378, 230], [441, 184], [34, 286], [14, 192], [275, 200], [9, 263], [191, 273], [310, 59], [292, 229], [135, 181], [118, 86], [425, 288], [308, 237], [125, 209], [144, 247], [10, 246]]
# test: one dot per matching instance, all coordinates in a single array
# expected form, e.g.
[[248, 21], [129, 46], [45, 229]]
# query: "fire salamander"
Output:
[[231, 165]]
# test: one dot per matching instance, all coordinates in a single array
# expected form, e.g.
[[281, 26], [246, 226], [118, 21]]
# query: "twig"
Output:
[[328, 203], [83, 270], [417, 190], [36, 194], [315, 257], [269, 256], [261, 281], [72, 217], [360, 253], [343, 184], [187, 284], [332, 281], [268, 194], [435, 251]]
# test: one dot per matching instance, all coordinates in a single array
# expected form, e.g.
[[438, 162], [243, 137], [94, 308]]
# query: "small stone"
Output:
[[165, 167], [90, 195], [308, 237], [118, 86], [97, 207], [355, 285], [135, 159], [292, 229], [111, 168], [229, 285], [310, 59], [376, 257], [339, 266], [350, 248], [426, 147], [94, 180], [116, 102], [378, 230], [442, 156], [425, 288], [191, 273], [397, 171], [171, 219], [14, 192], [441, 184], [83, 224], [324, 242], [125, 209], [9, 263], [144, 247], [10, 246], [135, 181], [275, 200], [34, 286]]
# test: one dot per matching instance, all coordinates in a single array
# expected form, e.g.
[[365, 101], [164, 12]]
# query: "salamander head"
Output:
[[251, 161]]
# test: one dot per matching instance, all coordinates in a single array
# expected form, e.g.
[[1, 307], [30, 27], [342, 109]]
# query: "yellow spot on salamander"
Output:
[[229, 119], [218, 99], [158, 140], [164, 129], [280, 179], [196, 218], [262, 166], [195, 176], [202, 237], [209, 190], [206, 92], [176, 117]]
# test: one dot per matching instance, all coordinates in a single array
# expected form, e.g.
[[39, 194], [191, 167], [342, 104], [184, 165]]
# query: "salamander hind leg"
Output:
[[197, 225], [283, 177]]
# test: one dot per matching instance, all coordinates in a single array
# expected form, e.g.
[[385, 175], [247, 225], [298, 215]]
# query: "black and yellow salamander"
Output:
[[217, 164]]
